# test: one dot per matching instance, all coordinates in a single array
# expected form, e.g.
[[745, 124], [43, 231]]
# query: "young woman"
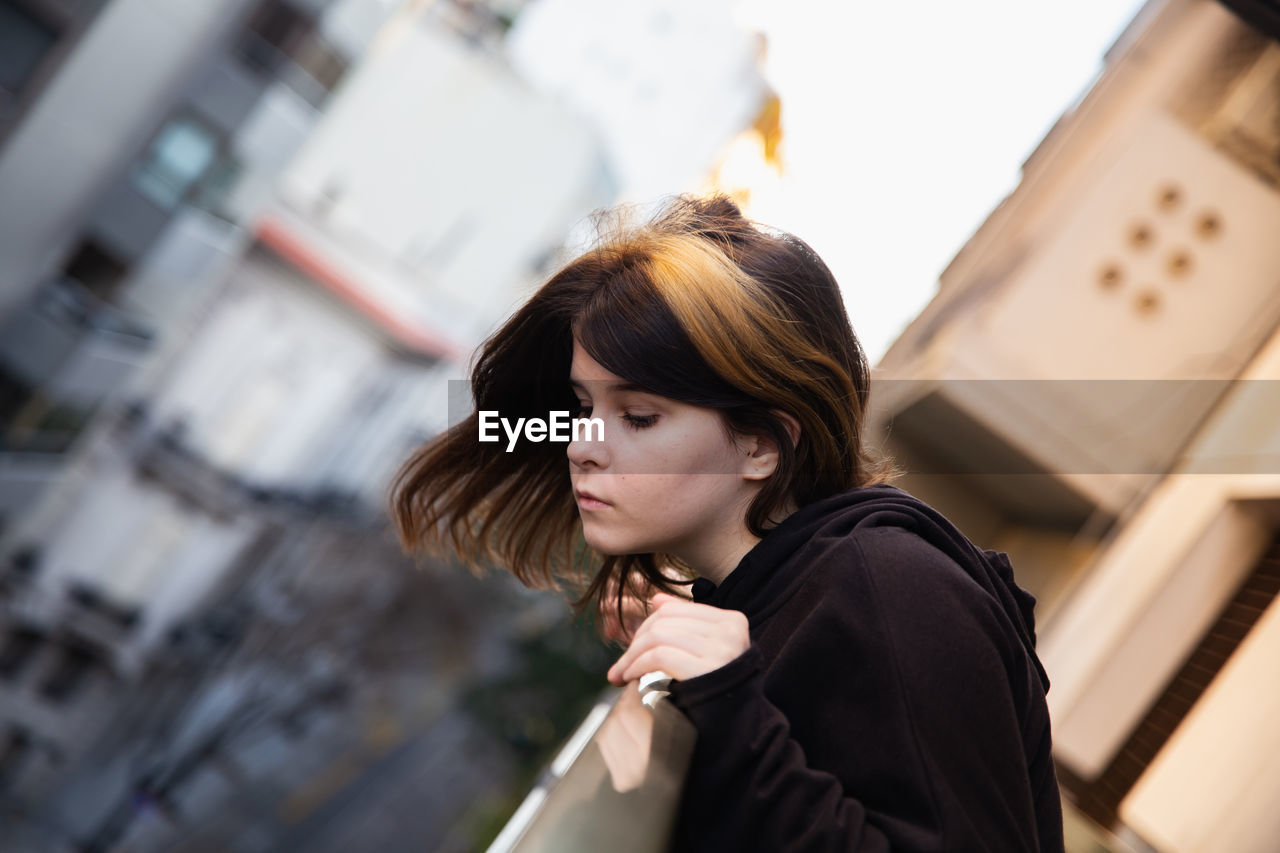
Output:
[[861, 676]]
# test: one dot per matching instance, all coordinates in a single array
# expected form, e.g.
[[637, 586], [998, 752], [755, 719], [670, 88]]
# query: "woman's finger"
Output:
[[677, 663], [668, 621], [646, 639], [696, 630], [716, 643], [671, 604]]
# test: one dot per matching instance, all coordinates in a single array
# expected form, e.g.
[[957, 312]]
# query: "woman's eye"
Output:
[[640, 421]]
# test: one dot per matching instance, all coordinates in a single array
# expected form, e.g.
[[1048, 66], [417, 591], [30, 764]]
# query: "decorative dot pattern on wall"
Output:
[[1176, 224]]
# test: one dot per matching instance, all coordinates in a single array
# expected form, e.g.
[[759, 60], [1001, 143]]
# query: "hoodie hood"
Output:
[[754, 588]]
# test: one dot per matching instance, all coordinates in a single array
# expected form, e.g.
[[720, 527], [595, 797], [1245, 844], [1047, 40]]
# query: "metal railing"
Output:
[[624, 766]]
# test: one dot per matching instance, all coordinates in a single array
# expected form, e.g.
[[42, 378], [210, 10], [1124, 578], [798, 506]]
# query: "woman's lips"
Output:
[[586, 500]]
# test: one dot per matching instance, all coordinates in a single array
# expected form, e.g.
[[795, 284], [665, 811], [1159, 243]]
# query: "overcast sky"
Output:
[[906, 123]]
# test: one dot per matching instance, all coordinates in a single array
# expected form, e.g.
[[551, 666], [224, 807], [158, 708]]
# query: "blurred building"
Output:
[[1093, 391], [171, 558], [138, 142], [441, 181], [243, 248]]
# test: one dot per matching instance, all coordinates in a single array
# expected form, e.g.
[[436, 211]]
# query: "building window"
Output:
[[15, 391], [214, 193], [18, 650], [178, 157], [95, 267], [24, 562], [25, 40], [281, 41], [271, 33], [323, 62], [90, 599], [15, 748], [68, 676]]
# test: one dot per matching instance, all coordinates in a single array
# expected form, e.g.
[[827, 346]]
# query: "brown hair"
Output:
[[699, 305]]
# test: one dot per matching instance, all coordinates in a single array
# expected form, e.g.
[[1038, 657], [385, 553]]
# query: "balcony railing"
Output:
[[623, 767]]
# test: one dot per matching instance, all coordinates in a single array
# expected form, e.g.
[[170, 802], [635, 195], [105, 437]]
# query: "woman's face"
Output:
[[666, 477]]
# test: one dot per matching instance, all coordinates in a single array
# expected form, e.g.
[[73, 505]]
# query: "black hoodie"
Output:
[[891, 698]]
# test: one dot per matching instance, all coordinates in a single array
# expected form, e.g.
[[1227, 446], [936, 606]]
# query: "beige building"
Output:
[[1093, 391]]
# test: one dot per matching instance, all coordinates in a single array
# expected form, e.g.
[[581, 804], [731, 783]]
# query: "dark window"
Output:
[[14, 394], [84, 595], [25, 561], [18, 650], [15, 747], [25, 40], [68, 675], [97, 268], [279, 23], [322, 61], [271, 33], [1260, 14], [91, 599], [282, 41]]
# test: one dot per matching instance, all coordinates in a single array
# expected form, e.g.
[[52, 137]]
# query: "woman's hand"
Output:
[[683, 639]]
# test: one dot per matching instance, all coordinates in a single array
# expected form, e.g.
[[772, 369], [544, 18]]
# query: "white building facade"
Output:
[[1091, 391]]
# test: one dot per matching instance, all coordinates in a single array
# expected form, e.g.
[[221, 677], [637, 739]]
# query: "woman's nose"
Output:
[[587, 449]]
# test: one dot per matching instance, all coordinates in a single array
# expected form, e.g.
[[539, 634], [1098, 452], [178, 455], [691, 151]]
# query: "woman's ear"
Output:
[[762, 451]]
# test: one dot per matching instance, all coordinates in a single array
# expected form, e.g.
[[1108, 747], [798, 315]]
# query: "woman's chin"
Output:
[[607, 549], [612, 547]]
